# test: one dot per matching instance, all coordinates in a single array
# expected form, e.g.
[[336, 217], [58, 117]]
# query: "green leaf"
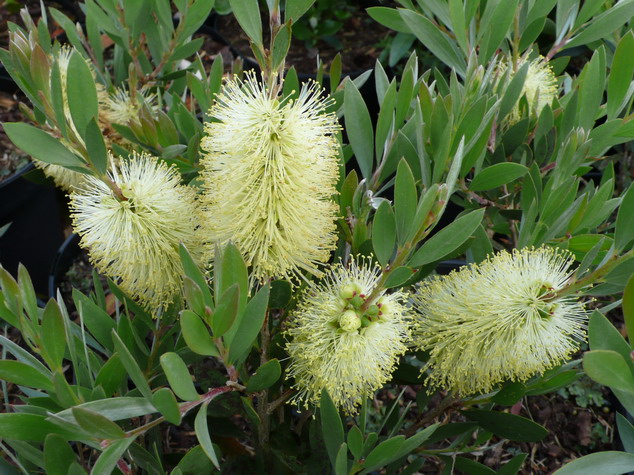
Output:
[[194, 462], [58, 456], [296, 8], [23, 374], [416, 441], [265, 376], [602, 335], [96, 146], [281, 294], [81, 92], [441, 45], [111, 375], [341, 462], [447, 239], [40, 145], [247, 12], [626, 432], [510, 393], [193, 272], [458, 24], [27, 292], [250, 326], [108, 459], [591, 87], [280, 46], [508, 426], [628, 308], [131, 366], [34, 427], [604, 24], [499, 25], [405, 200], [331, 426], [382, 454], [384, 233], [355, 442], [194, 295], [388, 17], [609, 368], [359, 129], [115, 409], [620, 75], [226, 311], [465, 465], [398, 276], [178, 377], [497, 175], [605, 463], [512, 467], [165, 401], [95, 318], [202, 434], [513, 91], [624, 231], [230, 269], [53, 335], [197, 335], [96, 424]]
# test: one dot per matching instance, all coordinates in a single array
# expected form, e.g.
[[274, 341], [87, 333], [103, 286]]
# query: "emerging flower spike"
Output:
[[498, 320], [135, 241], [341, 342], [119, 107], [269, 175], [540, 87]]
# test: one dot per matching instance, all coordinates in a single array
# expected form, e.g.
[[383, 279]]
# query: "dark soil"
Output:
[[11, 159], [359, 37], [79, 276]]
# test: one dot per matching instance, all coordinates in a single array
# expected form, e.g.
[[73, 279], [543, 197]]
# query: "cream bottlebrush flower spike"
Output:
[[498, 320], [336, 345], [135, 241], [119, 107], [540, 87], [269, 175]]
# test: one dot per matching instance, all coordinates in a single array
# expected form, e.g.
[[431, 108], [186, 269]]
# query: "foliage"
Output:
[[102, 389]]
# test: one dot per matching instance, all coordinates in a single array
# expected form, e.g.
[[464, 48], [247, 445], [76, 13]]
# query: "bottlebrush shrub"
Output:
[[290, 335]]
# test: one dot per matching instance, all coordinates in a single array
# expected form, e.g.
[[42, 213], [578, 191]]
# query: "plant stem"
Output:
[[263, 406], [184, 409], [592, 277]]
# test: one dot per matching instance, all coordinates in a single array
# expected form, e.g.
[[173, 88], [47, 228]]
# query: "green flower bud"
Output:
[[349, 321]]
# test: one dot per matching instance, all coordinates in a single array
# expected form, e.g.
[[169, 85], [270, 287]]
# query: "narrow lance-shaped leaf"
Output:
[[40, 145], [81, 92], [448, 239], [247, 12], [202, 434], [384, 233], [331, 426], [359, 128]]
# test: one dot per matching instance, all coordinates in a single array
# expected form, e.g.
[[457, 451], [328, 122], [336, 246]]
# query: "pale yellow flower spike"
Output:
[[118, 106], [336, 345], [269, 175], [540, 88], [136, 241], [497, 321]]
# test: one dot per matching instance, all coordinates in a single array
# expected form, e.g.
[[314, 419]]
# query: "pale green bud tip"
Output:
[[349, 321], [349, 290]]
